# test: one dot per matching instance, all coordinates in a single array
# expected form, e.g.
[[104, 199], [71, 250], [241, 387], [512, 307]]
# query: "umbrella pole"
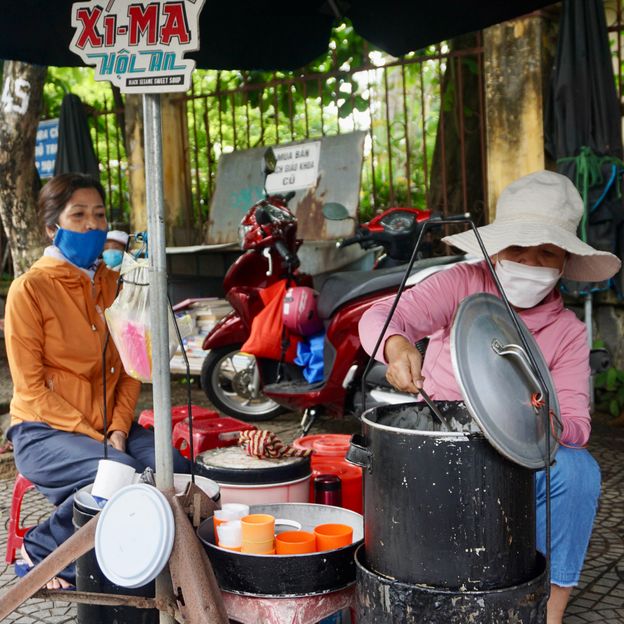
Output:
[[161, 388]]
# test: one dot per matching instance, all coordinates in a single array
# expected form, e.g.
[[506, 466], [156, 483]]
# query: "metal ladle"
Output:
[[436, 412]]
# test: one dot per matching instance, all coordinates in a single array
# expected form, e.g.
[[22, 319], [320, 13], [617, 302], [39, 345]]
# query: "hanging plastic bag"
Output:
[[128, 320], [265, 337]]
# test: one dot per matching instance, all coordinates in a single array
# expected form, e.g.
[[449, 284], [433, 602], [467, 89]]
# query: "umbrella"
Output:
[[268, 35], [583, 127], [75, 151]]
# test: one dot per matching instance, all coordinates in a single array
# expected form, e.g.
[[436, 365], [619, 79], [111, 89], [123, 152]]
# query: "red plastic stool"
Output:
[[178, 413], [15, 533], [208, 434]]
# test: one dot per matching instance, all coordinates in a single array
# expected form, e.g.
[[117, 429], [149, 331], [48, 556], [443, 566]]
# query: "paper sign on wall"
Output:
[[297, 167], [138, 46]]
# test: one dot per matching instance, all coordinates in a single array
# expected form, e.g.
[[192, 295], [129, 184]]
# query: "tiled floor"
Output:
[[599, 598]]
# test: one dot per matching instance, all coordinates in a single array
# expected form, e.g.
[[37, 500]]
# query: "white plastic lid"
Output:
[[134, 535]]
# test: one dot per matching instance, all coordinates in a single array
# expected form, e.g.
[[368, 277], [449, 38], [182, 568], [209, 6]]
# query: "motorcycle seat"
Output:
[[341, 288]]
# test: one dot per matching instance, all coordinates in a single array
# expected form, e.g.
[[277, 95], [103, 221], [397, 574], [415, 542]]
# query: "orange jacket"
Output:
[[54, 333]]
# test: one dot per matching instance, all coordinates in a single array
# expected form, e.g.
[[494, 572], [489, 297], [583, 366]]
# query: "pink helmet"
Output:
[[300, 313]]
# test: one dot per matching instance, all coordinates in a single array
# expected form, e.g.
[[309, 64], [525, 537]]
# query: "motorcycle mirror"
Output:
[[335, 212], [262, 216], [269, 161]]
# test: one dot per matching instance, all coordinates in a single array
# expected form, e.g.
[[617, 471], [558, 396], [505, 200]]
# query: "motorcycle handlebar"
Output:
[[460, 217], [289, 196], [351, 240], [288, 257]]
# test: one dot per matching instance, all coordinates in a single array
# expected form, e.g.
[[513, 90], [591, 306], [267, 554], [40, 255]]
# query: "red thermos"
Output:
[[328, 490]]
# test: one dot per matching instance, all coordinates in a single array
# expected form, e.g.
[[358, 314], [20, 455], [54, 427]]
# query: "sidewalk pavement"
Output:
[[599, 597]]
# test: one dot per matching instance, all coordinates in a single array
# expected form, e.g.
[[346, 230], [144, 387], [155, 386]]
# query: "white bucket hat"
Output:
[[118, 236], [542, 207]]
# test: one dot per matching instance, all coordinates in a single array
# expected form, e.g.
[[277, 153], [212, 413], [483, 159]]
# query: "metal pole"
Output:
[[159, 321], [590, 338]]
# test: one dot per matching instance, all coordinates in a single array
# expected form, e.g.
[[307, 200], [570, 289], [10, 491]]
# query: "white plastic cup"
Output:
[[111, 477], [225, 515], [282, 524], [230, 534], [240, 509], [221, 516]]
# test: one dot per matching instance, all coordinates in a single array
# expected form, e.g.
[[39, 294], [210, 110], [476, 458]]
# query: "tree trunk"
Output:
[[20, 110], [136, 162]]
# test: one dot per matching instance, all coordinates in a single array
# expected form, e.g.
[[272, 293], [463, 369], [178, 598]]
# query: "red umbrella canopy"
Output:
[[248, 34]]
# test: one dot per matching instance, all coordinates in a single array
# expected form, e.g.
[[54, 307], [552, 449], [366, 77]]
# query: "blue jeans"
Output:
[[575, 490], [59, 463]]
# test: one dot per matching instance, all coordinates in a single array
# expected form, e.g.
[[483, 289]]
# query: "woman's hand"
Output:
[[404, 365], [117, 439]]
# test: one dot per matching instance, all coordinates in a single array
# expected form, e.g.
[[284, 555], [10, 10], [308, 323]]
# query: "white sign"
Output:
[[138, 45], [297, 167]]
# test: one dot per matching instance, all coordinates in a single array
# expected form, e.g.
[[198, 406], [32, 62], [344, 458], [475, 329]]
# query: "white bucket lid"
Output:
[[134, 535]]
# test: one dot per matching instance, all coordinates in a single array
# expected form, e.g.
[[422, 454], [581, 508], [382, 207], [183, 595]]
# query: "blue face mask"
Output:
[[82, 249], [112, 257]]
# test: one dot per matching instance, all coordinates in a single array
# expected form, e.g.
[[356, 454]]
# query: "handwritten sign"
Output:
[[46, 146], [297, 167], [138, 46]]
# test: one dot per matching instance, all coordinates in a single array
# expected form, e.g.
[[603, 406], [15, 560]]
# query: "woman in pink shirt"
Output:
[[532, 243]]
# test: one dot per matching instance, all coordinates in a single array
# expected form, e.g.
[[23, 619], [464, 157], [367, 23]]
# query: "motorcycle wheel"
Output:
[[227, 381]]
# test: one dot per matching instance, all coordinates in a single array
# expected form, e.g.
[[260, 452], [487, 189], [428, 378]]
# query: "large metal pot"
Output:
[[441, 507], [287, 575]]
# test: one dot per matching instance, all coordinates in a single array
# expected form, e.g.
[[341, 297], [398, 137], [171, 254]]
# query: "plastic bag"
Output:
[[310, 357], [128, 320]]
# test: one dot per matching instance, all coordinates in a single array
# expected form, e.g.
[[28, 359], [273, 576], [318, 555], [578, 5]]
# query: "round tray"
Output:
[[287, 575]]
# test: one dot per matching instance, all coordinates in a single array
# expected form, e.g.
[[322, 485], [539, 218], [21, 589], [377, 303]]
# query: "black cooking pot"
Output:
[[441, 507], [287, 575]]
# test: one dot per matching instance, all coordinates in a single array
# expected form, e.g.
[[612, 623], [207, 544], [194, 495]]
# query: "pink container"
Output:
[[287, 492], [253, 481]]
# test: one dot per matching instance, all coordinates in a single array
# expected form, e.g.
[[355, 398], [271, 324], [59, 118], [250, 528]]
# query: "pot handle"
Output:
[[358, 453]]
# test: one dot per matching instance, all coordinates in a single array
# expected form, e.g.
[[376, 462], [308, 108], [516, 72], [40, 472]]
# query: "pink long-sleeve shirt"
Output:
[[427, 309]]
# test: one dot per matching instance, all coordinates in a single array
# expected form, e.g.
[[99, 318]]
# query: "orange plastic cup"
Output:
[[295, 543], [331, 536], [259, 548], [258, 527]]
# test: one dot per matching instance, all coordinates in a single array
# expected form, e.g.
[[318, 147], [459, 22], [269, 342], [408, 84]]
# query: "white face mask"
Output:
[[524, 285]]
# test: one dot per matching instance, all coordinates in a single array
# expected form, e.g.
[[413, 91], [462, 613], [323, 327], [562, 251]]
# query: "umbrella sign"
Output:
[[138, 46]]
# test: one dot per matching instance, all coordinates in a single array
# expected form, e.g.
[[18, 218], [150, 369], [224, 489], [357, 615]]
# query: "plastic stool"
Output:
[[208, 434], [15, 533], [178, 413]]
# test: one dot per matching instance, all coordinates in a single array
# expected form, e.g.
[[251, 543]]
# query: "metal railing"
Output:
[[107, 133], [405, 105], [415, 110]]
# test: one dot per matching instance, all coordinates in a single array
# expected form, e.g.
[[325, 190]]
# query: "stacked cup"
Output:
[[258, 534], [228, 530]]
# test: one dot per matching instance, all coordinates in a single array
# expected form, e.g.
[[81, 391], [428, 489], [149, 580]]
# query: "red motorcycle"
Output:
[[242, 386]]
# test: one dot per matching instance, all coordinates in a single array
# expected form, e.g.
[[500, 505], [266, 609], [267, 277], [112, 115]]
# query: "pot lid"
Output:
[[134, 536], [232, 465], [496, 380]]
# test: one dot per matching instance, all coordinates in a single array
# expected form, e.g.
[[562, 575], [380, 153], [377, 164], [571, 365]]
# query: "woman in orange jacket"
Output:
[[55, 332]]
